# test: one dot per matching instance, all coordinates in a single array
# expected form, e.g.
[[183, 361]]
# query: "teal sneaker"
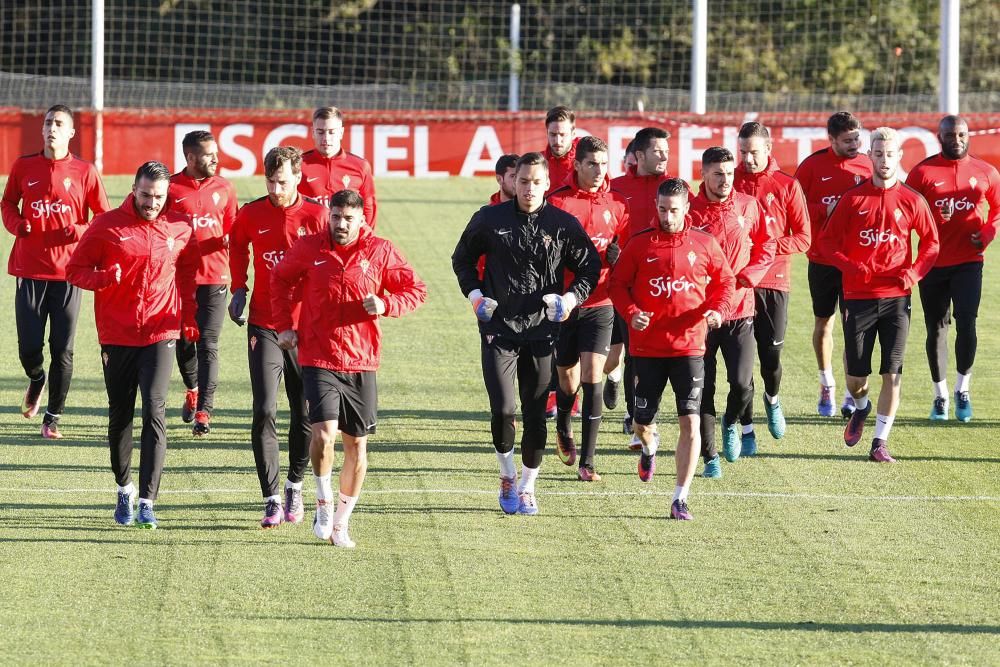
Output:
[[713, 469], [730, 441], [939, 409], [145, 518], [748, 444], [963, 406], [775, 419]]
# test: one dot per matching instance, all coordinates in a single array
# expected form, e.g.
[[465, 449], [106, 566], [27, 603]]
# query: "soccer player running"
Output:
[[734, 219], [824, 176], [560, 151], [672, 285], [639, 185], [140, 261], [329, 168], [868, 237], [45, 206], [784, 209], [519, 303], [959, 187], [585, 338], [505, 175], [345, 278], [270, 225], [209, 203]]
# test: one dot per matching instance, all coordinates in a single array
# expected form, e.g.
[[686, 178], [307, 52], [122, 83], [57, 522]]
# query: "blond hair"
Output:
[[885, 135]]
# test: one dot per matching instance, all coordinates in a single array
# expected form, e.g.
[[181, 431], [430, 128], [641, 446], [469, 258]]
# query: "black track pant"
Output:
[[126, 370], [769, 325], [531, 364], [199, 362], [961, 285], [735, 340], [268, 365], [56, 303]]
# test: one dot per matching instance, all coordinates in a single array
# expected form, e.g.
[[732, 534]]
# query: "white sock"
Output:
[[344, 509], [826, 377], [324, 491], [127, 489], [747, 428], [772, 400], [883, 425], [861, 403], [850, 400], [616, 375], [528, 477], [289, 484], [145, 501], [680, 493], [962, 382], [941, 389], [650, 449], [276, 499], [506, 460]]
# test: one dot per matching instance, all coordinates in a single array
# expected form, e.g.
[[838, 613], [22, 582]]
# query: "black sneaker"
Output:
[[611, 394]]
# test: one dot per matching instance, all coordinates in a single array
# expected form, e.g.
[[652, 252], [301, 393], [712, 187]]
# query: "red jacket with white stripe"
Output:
[[972, 187], [604, 216], [784, 208], [737, 225], [53, 198], [158, 259], [322, 177], [271, 230], [209, 205], [824, 176], [675, 278], [868, 237], [334, 330]]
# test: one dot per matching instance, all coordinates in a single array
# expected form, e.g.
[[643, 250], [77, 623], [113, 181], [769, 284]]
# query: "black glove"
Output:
[[237, 305], [612, 252]]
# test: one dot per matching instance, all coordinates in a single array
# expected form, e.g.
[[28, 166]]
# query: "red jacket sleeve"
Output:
[[367, 192], [402, 289], [232, 206], [10, 207], [285, 279], [88, 266], [831, 237], [96, 201], [185, 272], [928, 244], [797, 219], [620, 283], [239, 251], [762, 250], [722, 286], [990, 228]]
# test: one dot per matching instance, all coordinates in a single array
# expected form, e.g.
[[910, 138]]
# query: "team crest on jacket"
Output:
[[740, 219], [364, 266], [692, 257], [972, 181], [858, 179], [253, 343], [216, 198], [547, 240], [67, 182], [346, 180], [170, 243], [898, 214], [770, 198], [301, 231], [607, 217]]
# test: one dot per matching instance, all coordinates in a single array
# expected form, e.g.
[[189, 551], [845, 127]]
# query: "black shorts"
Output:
[[350, 399], [686, 376], [943, 286], [771, 319], [888, 319], [619, 331], [826, 288], [587, 330]]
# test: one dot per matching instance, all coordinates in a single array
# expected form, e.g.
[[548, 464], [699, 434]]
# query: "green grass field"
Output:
[[807, 554]]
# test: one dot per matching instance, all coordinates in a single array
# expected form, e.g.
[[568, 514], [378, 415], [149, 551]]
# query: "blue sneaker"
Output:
[[939, 409], [963, 406], [730, 441], [527, 505], [145, 518], [748, 444], [124, 512], [713, 469], [509, 502], [825, 405], [775, 419]]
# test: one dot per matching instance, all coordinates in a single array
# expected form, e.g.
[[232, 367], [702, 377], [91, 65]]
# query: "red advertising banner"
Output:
[[437, 145]]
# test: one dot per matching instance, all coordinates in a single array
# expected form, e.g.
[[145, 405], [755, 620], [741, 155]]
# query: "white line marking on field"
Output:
[[594, 494]]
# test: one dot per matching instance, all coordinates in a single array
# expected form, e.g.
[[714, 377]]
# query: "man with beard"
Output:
[[560, 151]]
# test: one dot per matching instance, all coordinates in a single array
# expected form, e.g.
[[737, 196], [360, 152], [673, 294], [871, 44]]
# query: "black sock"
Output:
[[591, 411]]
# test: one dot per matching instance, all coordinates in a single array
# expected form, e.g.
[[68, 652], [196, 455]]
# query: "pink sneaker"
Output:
[[679, 510], [587, 474], [880, 452], [272, 515]]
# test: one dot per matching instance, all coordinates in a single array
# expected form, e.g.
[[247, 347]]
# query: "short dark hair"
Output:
[[952, 121], [589, 145], [559, 113], [347, 199], [152, 170], [753, 129], [278, 156], [327, 112], [531, 159], [193, 140], [506, 162], [630, 149], [61, 108], [716, 155], [645, 136], [673, 187], [840, 122]]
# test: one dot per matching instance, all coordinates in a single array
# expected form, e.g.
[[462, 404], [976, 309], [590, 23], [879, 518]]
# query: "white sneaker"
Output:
[[340, 537], [323, 521], [636, 443]]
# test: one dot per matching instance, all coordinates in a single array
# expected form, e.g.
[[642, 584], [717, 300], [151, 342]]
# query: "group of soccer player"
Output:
[[567, 270], [160, 267], [572, 276]]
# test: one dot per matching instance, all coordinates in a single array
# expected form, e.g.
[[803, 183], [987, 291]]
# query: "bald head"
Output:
[[953, 135]]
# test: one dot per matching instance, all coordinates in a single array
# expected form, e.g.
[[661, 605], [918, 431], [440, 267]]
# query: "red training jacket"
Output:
[[335, 332], [824, 176], [271, 230], [640, 192], [157, 289], [675, 278], [868, 238], [53, 198], [322, 177], [784, 207], [560, 168], [209, 205], [739, 228], [604, 216], [970, 186]]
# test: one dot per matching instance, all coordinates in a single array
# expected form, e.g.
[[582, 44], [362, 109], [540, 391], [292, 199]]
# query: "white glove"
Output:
[[558, 308], [373, 305], [483, 306]]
